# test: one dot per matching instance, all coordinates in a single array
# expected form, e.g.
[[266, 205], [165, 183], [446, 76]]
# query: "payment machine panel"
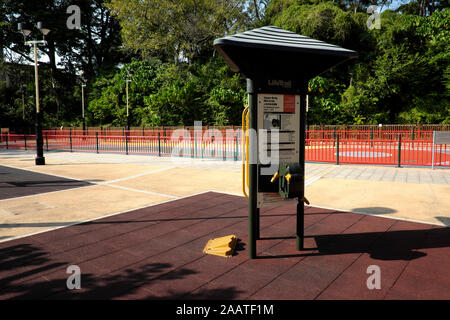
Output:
[[277, 114]]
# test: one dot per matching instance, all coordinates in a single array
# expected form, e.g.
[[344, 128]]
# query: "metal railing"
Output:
[[398, 149]]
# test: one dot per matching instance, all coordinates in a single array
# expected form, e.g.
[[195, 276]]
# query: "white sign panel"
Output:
[[279, 112], [282, 112]]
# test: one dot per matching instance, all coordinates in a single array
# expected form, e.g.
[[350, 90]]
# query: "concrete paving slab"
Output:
[[392, 199], [47, 211]]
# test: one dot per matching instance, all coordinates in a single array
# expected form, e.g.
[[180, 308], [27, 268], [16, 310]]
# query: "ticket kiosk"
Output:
[[277, 65]]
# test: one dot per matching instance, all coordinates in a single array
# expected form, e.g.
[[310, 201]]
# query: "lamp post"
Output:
[[82, 107], [40, 160], [83, 85], [130, 75]]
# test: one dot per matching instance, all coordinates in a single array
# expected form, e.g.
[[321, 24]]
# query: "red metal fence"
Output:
[[399, 148], [394, 152]]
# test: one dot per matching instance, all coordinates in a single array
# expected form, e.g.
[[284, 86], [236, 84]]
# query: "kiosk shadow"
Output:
[[390, 245]]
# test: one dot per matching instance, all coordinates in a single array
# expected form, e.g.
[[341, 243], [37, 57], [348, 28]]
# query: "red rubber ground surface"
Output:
[[156, 253]]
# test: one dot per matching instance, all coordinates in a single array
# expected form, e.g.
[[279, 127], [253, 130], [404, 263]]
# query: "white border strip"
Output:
[[105, 216]]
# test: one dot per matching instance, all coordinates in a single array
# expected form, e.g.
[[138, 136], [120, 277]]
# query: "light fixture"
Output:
[[24, 29], [45, 31]]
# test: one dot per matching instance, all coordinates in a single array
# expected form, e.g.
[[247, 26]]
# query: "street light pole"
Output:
[[83, 85], [40, 160], [82, 106], [128, 112], [130, 74]]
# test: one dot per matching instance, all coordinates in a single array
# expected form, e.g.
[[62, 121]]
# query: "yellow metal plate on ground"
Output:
[[223, 246]]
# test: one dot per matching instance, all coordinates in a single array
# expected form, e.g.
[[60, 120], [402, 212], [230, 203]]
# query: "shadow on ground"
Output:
[[390, 245], [25, 271], [374, 210], [444, 220]]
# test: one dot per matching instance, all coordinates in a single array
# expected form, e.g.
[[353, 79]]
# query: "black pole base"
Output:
[[300, 246], [40, 161]]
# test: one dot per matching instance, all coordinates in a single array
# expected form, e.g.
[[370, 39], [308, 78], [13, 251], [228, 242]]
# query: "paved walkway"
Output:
[[110, 183], [391, 174], [156, 253]]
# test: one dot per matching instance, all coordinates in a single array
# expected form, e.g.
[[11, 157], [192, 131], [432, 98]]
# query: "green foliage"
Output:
[[402, 74], [168, 94], [176, 29]]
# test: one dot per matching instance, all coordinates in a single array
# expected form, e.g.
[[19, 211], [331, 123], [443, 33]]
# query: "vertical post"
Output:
[[432, 151], [40, 160], [399, 149], [371, 136], [70, 137], [128, 112], [337, 150], [126, 142], [300, 232], [252, 190], [25, 141], [46, 140], [191, 142], [7, 141], [224, 147], [195, 144], [334, 134], [96, 141], [82, 107], [235, 148], [159, 144]]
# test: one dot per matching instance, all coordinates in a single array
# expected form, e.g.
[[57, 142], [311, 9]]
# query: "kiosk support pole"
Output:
[[253, 214], [300, 235]]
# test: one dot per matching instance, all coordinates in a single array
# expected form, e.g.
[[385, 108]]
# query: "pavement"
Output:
[[106, 184], [156, 253], [359, 216]]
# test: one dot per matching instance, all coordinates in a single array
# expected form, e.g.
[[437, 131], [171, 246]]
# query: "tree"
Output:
[[96, 46], [176, 30]]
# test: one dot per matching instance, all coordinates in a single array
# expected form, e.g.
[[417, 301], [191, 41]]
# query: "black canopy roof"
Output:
[[272, 52]]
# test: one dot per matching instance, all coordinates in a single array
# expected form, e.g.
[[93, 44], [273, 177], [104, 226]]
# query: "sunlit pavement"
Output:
[[146, 220], [110, 183]]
